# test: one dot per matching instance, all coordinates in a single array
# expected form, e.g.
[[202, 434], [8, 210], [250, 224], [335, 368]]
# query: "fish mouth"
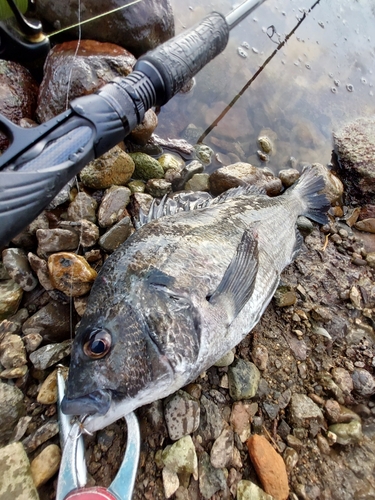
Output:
[[97, 402]]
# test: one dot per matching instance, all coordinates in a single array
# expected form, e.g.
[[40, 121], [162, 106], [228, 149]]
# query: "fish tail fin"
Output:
[[309, 188]]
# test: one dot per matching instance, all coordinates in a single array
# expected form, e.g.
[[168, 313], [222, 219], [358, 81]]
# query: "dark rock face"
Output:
[[94, 65], [18, 95], [139, 28]]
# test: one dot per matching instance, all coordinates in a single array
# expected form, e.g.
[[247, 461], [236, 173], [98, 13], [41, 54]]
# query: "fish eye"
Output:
[[98, 344]]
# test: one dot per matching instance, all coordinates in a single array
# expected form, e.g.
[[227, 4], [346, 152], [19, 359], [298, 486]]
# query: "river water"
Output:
[[322, 77]]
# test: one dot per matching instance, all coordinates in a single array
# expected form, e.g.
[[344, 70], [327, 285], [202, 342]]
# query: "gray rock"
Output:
[[53, 322], [182, 415], [364, 382], [243, 378], [211, 480], [183, 176], [199, 182], [289, 176], [158, 187], [204, 153], [27, 237], [305, 226], [350, 433], [83, 207], [12, 408], [171, 482], [16, 482], [16, 263], [211, 421], [116, 235], [10, 298], [246, 490], [226, 360], [113, 205], [221, 454], [41, 435], [40, 267], [303, 412], [63, 196], [56, 240], [271, 409], [32, 341], [50, 354]]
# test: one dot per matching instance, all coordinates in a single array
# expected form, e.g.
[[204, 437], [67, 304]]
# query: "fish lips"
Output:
[[97, 402]]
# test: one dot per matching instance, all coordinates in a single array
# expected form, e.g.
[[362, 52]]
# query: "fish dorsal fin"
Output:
[[237, 285], [243, 190]]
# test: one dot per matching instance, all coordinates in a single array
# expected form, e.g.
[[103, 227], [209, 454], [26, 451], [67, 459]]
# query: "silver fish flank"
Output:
[[181, 292]]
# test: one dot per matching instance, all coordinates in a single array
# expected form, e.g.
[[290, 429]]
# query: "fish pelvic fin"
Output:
[[309, 188], [237, 284]]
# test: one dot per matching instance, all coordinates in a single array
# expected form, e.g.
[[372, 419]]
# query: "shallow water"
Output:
[[320, 79]]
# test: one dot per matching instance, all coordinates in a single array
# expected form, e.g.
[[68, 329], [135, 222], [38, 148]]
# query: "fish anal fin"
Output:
[[237, 285]]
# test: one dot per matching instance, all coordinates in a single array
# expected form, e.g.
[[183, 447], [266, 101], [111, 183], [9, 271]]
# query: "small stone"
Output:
[[16, 263], [343, 379], [71, 273], [269, 467], [182, 414], [41, 435], [158, 187], [204, 153], [294, 442], [49, 355], [56, 240], [12, 352], [12, 408], [304, 225], [244, 379], [199, 182], [116, 235], [46, 464], [364, 382], [226, 360], [171, 161], [290, 458], [47, 394], [136, 186], [142, 132], [18, 372], [367, 225], [113, 206], [370, 259], [304, 412], [285, 296], [181, 457], [10, 298], [82, 207], [17, 482], [246, 490], [355, 297], [32, 341], [113, 168], [323, 444], [181, 177], [53, 322], [259, 356], [171, 482], [271, 409], [211, 421], [222, 450], [211, 480], [146, 167], [289, 176], [27, 237], [40, 267], [350, 433]]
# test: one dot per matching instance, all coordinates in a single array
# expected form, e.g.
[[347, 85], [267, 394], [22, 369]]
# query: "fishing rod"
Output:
[[41, 160]]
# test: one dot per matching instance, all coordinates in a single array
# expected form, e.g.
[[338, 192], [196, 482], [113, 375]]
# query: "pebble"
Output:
[[246, 490], [182, 415], [211, 421], [41, 435], [265, 144], [10, 298], [70, 273], [53, 322], [370, 259], [305, 225], [269, 466], [82, 207], [146, 167], [158, 187], [221, 454], [204, 153], [181, 177], [367, 225], [199, 182], [259, 355], [240, 418], [112, 208], [32, 341], [18, 267], [211, 480], [290, 457], [343, 379], [27, 237], [116, 235], [45, 465], [226, 360], [171, 482], [285, 296], [40, 267], [181, 457], [323, 444], [56, 240], [243, 378], [293, 442], [271, 409], [16, 481], [303, 412], [47, 394], [18, 372], [289, 176], [171, 161], [142, 132], [49, 355], [12, 408], [350, 433], [12, 352], [364, 382]]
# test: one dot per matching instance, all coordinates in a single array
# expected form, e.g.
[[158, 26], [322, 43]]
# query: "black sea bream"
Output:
[[181, 292]]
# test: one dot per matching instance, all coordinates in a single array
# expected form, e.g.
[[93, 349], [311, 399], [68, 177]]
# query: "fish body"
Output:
[[181, 292]]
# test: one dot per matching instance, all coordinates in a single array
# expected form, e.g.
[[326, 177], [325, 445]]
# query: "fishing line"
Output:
[[256, 74]]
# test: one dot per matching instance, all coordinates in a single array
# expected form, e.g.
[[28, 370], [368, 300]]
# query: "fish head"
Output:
[[130, 353]]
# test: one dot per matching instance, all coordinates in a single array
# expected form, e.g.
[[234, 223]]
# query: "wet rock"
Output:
[[18, 92], [45, 465], [243, 378], [181, 457], [116, 235], [40, 436], [12, 408], [211, 420], [237, 174], [139, 28], [139, 201], [367, 225], [204, 153], [199, 182], [222, 450], [12, 352], [303, 412], [112, 168], [211, 480], [27, 237], [71, 73], [182, 415], [364, 382], [158, 187], [259, 355], [285, 296], [56, 240], [269, 467], [16, 263], [39, 266], [47, 394], [142, 132], [289, 176], [350, 433], [70, 273], [171, 482], [146, 167], [83, 207], [246, 490], [265, 144], [50, 354], [88, 233], [355, 148], [10, 298], [181, 177], [226, 360], [304, 225], [337, 413], [53, 322], [290, 458], [63, 195], [17, 482], [170, 161], [113, 206], [240, 418]]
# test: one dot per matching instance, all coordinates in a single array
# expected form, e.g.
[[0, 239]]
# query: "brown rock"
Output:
[[112, 208], [367, 225], [269, 466], [71, 273], [83, 207], [46, 464], [53, 322], [142, 133]]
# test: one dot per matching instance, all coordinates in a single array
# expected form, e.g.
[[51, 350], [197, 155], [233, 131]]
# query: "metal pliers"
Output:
[[73, 473]]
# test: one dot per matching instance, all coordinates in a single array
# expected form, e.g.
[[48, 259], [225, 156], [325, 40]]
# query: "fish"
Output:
[[180, 292]]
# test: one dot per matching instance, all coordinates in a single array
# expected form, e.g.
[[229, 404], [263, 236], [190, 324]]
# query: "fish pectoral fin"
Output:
[[238, 282]]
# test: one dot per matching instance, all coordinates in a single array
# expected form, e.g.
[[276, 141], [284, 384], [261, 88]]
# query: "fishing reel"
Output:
[[21, 38]]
